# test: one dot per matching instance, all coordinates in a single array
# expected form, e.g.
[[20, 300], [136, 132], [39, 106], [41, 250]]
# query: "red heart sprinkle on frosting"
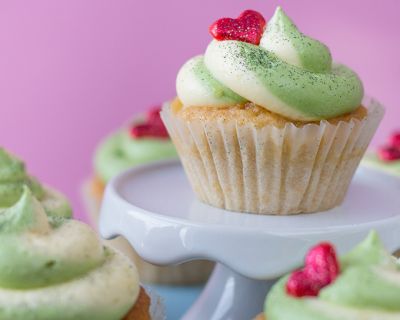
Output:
[[248, 27], [394, 140], [389, 153], [153, 115], [321, 269], [153, 127]]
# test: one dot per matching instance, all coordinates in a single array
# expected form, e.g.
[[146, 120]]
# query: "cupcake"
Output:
[[264, 122], [364, 284], [52, 267], [143, 141], [387, 157]]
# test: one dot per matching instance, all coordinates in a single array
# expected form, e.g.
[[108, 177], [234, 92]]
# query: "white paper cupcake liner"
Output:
[[157, 307], [271, 170]]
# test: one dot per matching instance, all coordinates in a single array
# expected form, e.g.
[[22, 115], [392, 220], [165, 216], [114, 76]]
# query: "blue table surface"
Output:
[[177, 300]]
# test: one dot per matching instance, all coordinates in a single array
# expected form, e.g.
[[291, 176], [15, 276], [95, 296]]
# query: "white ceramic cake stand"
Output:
[[155, 209]]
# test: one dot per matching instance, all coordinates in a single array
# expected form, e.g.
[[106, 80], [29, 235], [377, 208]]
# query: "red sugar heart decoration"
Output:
[[321, 269], [153, 116], [394, 140], [248, 27], [389, 153], [153, 127]]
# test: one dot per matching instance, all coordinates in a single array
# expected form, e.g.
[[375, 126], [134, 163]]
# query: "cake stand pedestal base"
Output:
[[229, 295]]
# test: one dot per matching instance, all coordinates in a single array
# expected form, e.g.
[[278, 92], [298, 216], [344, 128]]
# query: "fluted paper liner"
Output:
[[271, 170], [157, 308]]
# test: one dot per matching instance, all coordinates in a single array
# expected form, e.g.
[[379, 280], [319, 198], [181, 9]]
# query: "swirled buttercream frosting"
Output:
[[13, 179], [58, 268], [288, 73], [367, 288]]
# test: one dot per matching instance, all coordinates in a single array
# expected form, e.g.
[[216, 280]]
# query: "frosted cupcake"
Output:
[[387, 157], [143, 141], [265, 122], [52, 267], [363, 285]]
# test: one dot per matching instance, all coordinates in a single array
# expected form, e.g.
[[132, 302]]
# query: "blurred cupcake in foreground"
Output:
[[265, 122], [144, 140], [387, 157], [363, 285], [52, 267]]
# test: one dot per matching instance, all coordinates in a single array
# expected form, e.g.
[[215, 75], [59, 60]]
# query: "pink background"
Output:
[[72, 70]]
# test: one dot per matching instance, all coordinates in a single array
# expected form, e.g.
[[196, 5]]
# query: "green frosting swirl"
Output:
[[289, 74], [13, 179], [367, 288], [284, 39], [119, 151], [59, 269], [204, 86], [299, 93]]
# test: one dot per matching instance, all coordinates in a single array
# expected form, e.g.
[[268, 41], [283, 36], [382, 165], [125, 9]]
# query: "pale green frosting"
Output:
[[58, 269], [119, 151], [13, 178], [284, 39], [368, 288], [204, 87], [288, 73]]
